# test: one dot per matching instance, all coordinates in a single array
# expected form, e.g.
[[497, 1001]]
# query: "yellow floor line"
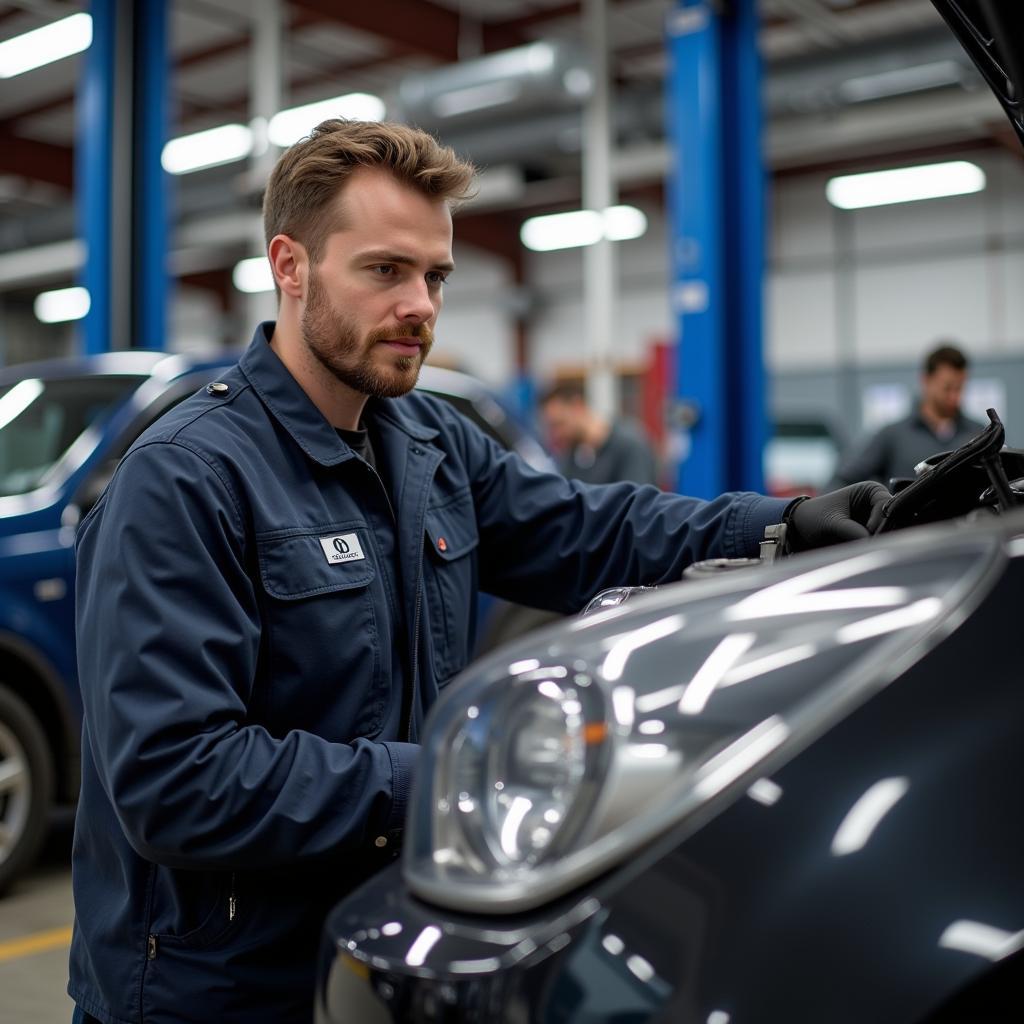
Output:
[[40, 942]]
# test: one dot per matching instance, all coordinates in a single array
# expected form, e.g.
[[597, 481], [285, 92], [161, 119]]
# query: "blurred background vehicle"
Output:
[[801, 455], [64, 424]]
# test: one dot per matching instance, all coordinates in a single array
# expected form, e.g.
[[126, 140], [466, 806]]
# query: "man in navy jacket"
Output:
[[281, 576]]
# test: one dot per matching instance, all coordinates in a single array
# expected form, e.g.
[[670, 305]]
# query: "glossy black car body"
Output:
[[871, 870], [752, 912]]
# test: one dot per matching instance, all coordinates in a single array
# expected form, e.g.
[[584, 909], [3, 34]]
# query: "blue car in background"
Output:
[[64, 424]]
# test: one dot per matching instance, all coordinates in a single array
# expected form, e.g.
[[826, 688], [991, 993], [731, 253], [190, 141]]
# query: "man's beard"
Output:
[[335, 341]]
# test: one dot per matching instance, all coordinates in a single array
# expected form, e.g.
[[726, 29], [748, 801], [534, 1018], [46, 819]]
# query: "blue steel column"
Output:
[[151, 183], [746, 183], [120, 184], [716, 206], [94, 154]]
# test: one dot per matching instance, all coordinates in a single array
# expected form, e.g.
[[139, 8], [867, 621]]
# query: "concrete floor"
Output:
[[35, 932]]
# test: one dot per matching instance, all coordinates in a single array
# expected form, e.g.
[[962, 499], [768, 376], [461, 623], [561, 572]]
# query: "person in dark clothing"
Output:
[[281, 576], [937, 424], [589, 447]]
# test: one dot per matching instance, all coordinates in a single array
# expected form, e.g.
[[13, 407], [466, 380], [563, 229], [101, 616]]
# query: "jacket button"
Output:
[[442, 544], [381, 841], [217, 388], [417, 451]]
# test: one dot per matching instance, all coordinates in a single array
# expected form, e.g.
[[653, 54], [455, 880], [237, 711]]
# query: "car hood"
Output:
[[992, 33]]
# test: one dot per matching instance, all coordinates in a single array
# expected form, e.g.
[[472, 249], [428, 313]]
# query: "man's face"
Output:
[[373, 299], [942, 390], [562, 423]]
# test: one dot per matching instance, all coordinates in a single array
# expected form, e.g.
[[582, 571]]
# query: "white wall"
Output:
[[882, 285], [642, 309], [475, 331]]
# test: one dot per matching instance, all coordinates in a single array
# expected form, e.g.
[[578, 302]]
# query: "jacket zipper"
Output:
[[407, 725], [151, 947], [232, 901], [415, 649]]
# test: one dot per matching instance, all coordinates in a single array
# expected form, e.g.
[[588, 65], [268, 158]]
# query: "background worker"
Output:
[[937, 424], [281, 576], [591, 448]]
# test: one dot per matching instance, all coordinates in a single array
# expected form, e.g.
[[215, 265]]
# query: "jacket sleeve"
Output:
[[168, 629], [554, 543]]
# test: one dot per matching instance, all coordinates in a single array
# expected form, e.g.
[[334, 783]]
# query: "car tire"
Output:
[[26, 787]]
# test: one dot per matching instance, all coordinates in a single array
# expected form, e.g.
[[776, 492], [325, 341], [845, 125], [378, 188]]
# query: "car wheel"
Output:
[[26, 786]]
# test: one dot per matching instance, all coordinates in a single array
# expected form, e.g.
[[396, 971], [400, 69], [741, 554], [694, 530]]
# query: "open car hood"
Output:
[[992, 33]]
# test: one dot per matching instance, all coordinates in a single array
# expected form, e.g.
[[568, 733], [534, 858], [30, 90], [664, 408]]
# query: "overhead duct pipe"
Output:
[[543, 76]]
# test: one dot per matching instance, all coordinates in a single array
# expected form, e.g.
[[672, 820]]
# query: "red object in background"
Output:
[[656, 393]]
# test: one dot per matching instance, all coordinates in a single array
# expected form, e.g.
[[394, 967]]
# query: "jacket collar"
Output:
[[283, 396]]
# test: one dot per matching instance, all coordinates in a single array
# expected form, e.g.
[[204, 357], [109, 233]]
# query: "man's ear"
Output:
[[289, 262]]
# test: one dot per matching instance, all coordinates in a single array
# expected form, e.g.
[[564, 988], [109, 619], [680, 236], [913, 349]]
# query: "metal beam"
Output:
[[716, 203], [39, 161], [598, 188], [418, 24], [121, 187]]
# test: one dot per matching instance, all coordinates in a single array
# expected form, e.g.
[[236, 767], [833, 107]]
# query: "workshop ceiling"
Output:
[[813, 50]]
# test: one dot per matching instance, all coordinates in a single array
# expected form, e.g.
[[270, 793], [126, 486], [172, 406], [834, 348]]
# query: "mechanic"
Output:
[[590, 448], [936, 425], [282, 574]]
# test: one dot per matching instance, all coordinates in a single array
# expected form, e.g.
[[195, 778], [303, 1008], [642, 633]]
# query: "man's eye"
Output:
[[384, 269], [437, 277]]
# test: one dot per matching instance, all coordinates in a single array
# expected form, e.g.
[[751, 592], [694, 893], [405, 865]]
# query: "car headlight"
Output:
[[558, 756]]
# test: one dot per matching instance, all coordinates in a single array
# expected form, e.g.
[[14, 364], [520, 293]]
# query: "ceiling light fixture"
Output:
[[582, 227], [210, 148], [253, 275], [899, 81], [44, 45], [905, 185], [61, 305], [229, 142], [288, 126]]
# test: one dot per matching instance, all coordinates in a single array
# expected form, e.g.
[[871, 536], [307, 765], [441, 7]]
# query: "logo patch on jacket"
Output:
[[342, 547]]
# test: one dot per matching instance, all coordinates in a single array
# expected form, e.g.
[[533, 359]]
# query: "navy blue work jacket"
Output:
[[262, 625]]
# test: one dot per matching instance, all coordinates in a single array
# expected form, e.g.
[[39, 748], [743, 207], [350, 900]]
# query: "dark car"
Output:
[[789, 793], [783, 793], [63, 426]]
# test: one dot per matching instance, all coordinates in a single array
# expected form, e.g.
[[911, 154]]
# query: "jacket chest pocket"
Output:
[[450, 575], [327, 662]]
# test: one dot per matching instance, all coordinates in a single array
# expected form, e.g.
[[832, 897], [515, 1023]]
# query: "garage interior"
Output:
[[565, 107]]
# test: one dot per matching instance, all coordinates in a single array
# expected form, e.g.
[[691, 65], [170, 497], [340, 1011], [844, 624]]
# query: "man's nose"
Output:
[[415, 304]]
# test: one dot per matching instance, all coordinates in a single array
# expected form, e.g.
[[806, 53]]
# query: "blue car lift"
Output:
[[120, 185], [716, 198]]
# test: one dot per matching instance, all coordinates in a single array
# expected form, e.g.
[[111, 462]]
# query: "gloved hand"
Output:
[[847, 514]]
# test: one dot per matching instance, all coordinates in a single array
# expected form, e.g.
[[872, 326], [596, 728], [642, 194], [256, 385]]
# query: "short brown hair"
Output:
[[307, 178], [945, 355], [563, 391]]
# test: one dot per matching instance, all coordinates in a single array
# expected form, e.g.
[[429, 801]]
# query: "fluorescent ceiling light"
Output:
[[582, 227], [905, 185], [44, 45], [214, 146], [900, 81], [63, 304], [288, 126], [622, 223], [253, 275]]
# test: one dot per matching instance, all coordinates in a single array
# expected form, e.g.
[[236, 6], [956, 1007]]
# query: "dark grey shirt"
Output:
[[897, 448], [625, 455]]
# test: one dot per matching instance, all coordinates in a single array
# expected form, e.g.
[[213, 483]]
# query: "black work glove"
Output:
[[847, 514]]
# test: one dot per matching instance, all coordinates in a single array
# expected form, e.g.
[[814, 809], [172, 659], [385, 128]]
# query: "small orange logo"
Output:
[[442, 544]]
